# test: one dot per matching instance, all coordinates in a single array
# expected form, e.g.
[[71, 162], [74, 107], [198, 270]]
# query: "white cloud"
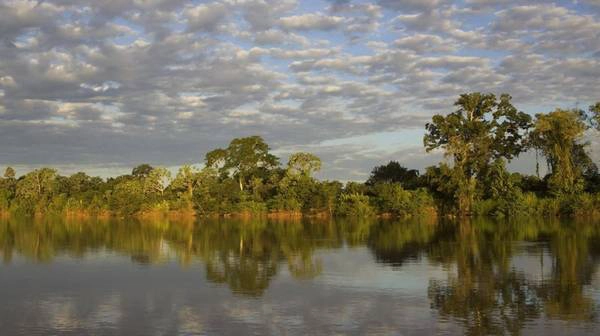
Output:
[[421, 43], [205, 17], [311, 21]]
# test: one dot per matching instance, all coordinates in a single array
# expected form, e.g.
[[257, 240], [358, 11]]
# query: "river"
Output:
[[299, 277]]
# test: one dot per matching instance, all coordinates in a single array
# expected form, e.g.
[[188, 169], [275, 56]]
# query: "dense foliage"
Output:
[[485, 133], [483, 130], [479, 138]]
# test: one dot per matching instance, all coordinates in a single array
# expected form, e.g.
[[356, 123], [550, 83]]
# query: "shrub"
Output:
[[252, 207], [484, 207], [4, 200], [355, 205], [284, 203]]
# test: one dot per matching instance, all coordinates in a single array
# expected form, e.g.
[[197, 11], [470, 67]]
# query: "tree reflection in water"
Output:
[[485, 290], [490, 296]]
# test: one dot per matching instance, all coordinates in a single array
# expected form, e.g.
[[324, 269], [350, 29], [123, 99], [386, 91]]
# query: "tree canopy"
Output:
[[558, 135], [394, 172], [243, 158], [304, 164], [481, 130], [9, 173]]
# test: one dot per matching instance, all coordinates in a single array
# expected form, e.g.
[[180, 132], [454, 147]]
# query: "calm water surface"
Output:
[[299, 277]]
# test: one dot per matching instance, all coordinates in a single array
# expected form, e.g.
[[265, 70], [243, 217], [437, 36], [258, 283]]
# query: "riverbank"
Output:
[[191, 214], [353, 201]]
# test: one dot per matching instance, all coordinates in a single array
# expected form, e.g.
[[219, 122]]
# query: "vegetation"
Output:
[[482, 131], [485, 133], [479, 139]]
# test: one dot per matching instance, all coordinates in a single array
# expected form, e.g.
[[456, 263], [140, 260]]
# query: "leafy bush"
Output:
[[4, 200], [252, 207], [484, 207], [284, 203], [355, 205], [392, 198]]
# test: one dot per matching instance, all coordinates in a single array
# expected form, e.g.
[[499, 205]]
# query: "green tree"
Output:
[[394, 172], [304, 164], [440, 182], [187, 179], [127, 196], [295, 186], [7, 188], [142, 170], [243, 158], [482, 129], [157, 181], [392, 198], [557, 135], [503, 189], [37, 183], [355, 205], [35, 189], [9, 173], [324, 196], [80, 182]]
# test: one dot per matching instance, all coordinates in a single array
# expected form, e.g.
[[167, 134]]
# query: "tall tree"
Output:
[[77, 183], [36, 183], [304, 164], [557, 135], [35, 189], [187, 179], [243, 158], [482, 129], [295, 185], [157, 181]]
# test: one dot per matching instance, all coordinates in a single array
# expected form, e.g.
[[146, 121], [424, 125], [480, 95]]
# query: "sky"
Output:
[[104, 85]]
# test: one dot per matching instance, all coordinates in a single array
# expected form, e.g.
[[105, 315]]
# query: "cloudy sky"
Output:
[[102, 85]]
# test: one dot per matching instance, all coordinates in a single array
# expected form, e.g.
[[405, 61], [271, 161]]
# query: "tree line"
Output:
[[486, 132], [479, 138]]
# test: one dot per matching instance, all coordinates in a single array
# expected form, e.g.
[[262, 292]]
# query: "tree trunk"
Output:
[[190, 195], [190, 191]]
